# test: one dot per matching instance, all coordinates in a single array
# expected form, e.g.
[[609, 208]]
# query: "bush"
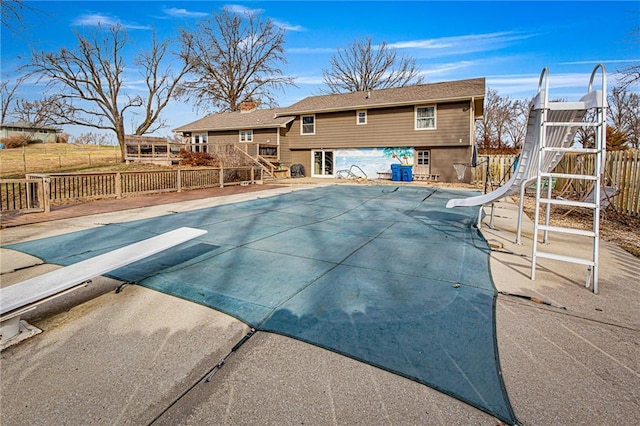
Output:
[[15, 141], [190, 158]]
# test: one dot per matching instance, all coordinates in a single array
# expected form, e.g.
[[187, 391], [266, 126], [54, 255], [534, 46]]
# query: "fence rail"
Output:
[[39, 191], [23, 195], [621, 170]]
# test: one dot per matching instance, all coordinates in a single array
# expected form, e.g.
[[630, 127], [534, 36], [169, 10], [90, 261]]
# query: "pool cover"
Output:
[[386, 275]]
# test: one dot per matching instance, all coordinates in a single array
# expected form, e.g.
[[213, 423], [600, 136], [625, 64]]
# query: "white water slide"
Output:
[[557, 137]]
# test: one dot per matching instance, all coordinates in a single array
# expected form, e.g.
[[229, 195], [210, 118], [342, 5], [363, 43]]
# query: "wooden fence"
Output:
[[39, 191], [622, 171]]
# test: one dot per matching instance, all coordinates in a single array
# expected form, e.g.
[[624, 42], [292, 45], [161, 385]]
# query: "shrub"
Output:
[[15, 141], [190, 158]]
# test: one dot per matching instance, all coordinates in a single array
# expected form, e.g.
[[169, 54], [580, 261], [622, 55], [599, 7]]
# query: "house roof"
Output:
[[256, 119], [409, 95], [27, 125], [448, 91]]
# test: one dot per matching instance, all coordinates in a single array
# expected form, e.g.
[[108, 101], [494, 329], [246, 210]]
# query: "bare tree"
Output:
[[498, 118], [233, 58], [363, 66], [38, 112], [11, 15], [631, 74], [624, 114], [517, 125], [88, 82], [8, 90]]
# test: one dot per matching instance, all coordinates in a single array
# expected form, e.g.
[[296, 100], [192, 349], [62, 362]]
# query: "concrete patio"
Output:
[[143, 357]]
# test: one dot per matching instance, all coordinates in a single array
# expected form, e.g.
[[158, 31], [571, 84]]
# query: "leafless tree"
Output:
[[631, 73], [8, 90], [517, 126], [38, 112], [498, 117], [88, 82], [624, 114], [11, 15], [363, 66], [234, 57]]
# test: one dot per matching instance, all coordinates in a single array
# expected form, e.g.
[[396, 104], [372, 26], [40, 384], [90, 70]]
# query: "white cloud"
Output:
[[95, 19], [183, 13], [462, 44], [241, 10], [288, 27]]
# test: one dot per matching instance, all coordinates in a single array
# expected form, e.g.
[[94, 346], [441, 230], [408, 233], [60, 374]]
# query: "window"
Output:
[[199, 143], [361, 117], [423, 157], [308, 126], [246, 135], [425, 117]]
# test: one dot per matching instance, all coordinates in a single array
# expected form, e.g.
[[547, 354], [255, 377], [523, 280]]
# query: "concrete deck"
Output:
[[141, 357]]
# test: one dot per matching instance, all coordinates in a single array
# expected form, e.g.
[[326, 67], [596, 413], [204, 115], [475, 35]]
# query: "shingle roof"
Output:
[[27, 125], [434, 92], [279, 117], [256, 119]]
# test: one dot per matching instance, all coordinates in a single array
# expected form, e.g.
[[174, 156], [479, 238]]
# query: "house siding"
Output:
[[386, 127]]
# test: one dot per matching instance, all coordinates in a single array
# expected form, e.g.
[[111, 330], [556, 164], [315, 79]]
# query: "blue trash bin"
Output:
[[395, 173], [406, 173]]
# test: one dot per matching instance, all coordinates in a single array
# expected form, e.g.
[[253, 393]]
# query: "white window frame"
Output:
[[245, 136], [358, 112], [302, 132], [199, 142], [423, 152], [418, 107]]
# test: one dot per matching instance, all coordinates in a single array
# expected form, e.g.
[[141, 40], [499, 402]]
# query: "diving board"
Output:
[[25, 296]]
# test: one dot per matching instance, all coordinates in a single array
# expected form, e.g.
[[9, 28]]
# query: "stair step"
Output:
[[563, 258], [565, 230]]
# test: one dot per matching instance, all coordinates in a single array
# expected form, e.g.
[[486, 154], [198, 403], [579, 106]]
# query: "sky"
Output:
[[506, 42]]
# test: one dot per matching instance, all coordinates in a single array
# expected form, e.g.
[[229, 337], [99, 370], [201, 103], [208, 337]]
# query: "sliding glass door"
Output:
[[322, 164]]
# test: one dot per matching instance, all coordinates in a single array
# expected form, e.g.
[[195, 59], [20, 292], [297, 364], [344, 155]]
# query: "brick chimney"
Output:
[[248, 105]]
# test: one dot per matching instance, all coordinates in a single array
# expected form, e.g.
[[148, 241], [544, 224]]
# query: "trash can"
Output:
[[395, 173], [406, 173]]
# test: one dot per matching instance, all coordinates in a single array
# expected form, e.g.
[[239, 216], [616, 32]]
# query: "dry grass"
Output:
[[52, 157], [623, 231]]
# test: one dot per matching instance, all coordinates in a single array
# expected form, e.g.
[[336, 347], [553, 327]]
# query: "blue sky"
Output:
[[507, 42]]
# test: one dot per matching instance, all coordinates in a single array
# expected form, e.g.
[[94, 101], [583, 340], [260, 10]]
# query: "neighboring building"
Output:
[[430, 126], [29, 130]]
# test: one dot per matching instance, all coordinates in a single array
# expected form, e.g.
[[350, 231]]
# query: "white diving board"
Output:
[[25, 296]]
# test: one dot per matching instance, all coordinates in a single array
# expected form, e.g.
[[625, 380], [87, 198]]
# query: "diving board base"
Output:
[[18, 329]]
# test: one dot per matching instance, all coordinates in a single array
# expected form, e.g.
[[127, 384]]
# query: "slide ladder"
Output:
[[559, 118]]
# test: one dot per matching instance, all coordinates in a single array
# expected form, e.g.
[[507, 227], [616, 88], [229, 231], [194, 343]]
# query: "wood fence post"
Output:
[[253, 175], [179, 180], [118, 185], [46, 194], [221, 177]]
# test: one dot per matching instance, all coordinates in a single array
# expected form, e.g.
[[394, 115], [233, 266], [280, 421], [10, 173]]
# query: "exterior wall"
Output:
[[48, 136], [441, 160], [387, 127]]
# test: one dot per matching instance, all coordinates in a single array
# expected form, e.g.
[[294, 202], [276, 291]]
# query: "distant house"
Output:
[[31, 131], [428, 126]]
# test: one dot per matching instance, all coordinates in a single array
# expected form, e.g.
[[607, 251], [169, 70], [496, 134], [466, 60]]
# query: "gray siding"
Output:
[[386, 127]]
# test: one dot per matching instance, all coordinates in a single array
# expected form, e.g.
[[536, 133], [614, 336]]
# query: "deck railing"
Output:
[[40, 191]]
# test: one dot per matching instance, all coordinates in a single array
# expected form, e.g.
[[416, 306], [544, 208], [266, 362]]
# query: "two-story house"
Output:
[[428, 126]]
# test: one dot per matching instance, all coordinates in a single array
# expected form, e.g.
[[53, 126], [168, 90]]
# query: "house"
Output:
[[30, 131], [428, 126]]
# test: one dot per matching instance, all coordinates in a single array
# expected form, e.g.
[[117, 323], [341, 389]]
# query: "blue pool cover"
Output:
[[383, 274]]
